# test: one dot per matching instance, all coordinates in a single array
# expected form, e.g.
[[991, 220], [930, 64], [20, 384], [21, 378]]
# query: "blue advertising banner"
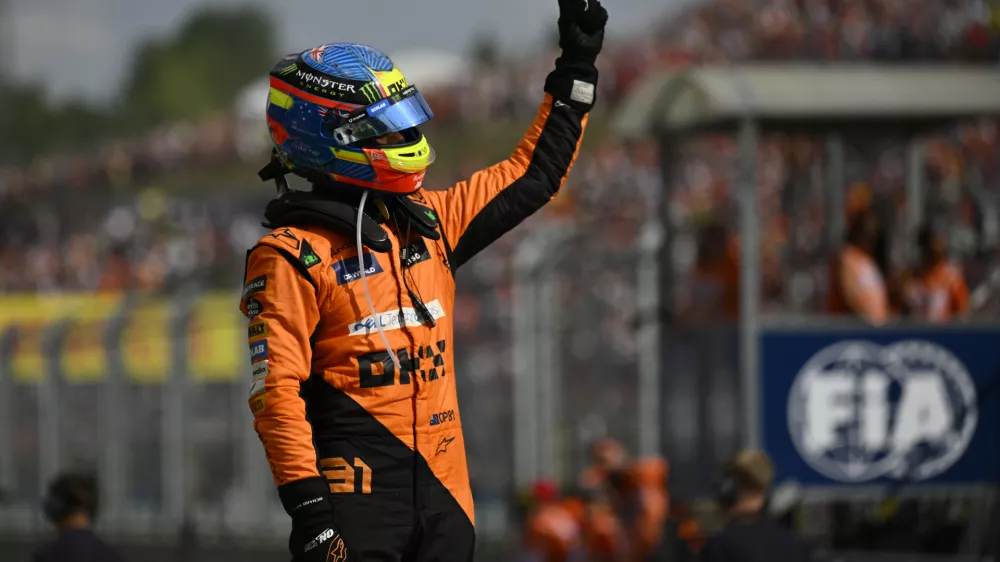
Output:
[[873, 406]]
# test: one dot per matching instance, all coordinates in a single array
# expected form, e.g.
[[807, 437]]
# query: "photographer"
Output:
[[71, 505], [749, 536]]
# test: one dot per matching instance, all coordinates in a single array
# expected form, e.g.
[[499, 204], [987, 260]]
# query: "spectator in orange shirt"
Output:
[[935, 290], [649, 503], [610, 460], [554, 532], [857, 285], [636, 491], [606, 538], [716, 284]]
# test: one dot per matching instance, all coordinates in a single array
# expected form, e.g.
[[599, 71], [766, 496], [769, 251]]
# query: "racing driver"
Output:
[[349, 297]]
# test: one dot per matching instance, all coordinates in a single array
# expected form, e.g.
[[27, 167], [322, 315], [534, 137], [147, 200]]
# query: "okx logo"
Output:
[[859, 411], [377, 369]]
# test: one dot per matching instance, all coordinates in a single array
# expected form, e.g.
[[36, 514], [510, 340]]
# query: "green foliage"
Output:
[[195, 72], [29, 121], [201, 69]]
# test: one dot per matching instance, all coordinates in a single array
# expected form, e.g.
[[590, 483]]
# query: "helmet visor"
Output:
[[396, 113]]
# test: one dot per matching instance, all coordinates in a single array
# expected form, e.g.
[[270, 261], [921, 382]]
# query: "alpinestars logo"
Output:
[[858, 411]]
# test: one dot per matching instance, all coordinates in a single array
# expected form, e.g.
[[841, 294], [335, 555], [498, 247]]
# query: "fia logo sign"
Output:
[[859, 411]]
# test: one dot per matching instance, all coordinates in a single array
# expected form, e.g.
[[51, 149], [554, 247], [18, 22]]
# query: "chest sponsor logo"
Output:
[[348, 270], [395, 319], [428, 364], [254, 308], [257, 330], [255, 285], [258, 351], [415, 253], [336, 251], [443, 417]]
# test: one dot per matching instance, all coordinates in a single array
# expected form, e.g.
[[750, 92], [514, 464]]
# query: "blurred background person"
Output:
[[716, 284], [636, 492], [609, 463], [857, 283], [749, 535], [935, 290], [71, 506], [605, 536], [555, 526], [646, 508]]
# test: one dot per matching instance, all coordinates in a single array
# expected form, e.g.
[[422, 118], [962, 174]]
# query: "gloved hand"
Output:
[[314, 536], [581, 37], [581, 29]]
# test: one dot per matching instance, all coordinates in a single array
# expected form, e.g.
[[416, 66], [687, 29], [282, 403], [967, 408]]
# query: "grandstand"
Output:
[[631, 307]]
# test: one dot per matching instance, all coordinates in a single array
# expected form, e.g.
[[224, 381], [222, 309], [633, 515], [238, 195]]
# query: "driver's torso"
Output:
[[356, 396]]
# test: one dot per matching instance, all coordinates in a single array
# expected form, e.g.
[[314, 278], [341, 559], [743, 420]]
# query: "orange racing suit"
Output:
[[327, 398]]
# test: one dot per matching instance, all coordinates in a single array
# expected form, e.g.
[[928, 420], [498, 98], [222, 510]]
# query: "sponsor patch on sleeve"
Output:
[[260, 370], [348, 270], [255, 285], [258, 351], [582, 92], [254, 308], [257, 330], [257, 388], [258, 404]]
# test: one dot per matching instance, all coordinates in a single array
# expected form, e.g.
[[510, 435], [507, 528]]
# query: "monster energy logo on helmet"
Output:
[[289, 69], [371, 92]]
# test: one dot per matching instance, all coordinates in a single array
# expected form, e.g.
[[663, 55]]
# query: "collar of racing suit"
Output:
[[338, 211]]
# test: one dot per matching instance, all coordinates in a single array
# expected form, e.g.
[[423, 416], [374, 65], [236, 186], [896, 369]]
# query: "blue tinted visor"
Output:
[[394, 114]]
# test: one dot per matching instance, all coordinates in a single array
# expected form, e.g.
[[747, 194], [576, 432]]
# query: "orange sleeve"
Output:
[[476, 212], [281, 306]]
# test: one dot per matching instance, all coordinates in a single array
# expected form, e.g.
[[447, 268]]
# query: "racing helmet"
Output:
[[328, 106]]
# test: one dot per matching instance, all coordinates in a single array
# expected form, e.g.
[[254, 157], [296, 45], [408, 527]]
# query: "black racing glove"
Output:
[[314, 537], [581, 38]]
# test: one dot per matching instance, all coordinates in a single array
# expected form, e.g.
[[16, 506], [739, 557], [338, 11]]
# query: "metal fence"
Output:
[[594, 359], [147, 393], [150, 393]]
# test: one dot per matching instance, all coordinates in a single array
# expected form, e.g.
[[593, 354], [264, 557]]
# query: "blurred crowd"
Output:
[[617, 512], [79, 221], [112, 219]]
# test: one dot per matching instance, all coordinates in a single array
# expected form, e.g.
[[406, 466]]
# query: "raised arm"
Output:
[[478, 211]]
